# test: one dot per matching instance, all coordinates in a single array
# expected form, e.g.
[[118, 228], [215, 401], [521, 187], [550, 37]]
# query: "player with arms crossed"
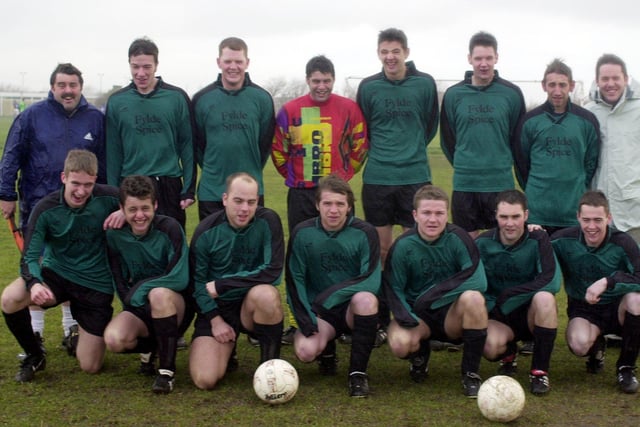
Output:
[[522, 278], [69, 224], [434, 281], [601, 269], [149, 261], [333, 278], [236, 258]]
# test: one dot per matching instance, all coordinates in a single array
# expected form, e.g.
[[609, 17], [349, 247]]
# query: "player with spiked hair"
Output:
[[150, 265]]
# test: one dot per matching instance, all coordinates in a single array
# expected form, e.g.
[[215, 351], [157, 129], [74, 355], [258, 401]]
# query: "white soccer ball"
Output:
[[275, 381], [501, 398]]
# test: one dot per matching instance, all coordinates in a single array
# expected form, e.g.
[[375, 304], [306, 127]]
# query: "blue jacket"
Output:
[[37, 146]]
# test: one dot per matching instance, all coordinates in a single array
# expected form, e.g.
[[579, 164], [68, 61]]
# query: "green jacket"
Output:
[[325, 269], [476, 127], [516, 273], [159, 259], [402, 119], [421, 275]]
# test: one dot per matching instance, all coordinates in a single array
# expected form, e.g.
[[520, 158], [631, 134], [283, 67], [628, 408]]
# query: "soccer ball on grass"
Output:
[[501, 398], [275, 381]]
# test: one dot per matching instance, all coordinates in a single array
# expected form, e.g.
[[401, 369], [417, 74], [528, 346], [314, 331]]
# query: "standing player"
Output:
[[235, 124], [333, 278], [69, 224], [601, 269], [556, 148], [149, 132], [522, 278], [316, 135], [400, 105], [150, 265], [477, 121], [616, 104], [434, 281], [236, 258], [37, 144]]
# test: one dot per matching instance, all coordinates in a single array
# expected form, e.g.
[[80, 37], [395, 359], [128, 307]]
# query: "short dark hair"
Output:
[[334, 184], [595, 198], [430, 192], [393, 35], [558, 66], [233, 43], [482, 38], [138, 186], [144, 46], [322, 64], [512, 197], [610, 58], [66, 68]]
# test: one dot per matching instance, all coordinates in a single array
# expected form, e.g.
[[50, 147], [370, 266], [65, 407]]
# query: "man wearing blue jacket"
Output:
[[36, 147]]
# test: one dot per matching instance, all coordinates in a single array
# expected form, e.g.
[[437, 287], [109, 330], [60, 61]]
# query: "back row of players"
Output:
[[148, 132]]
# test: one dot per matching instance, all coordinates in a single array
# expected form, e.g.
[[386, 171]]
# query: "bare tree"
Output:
[[283, 90]]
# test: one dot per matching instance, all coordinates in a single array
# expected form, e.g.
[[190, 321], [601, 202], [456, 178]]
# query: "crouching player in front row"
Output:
[[150, 266], [522, 278], [601, 268], [333, 278], [236, 259], [434, 281], [69, 224]]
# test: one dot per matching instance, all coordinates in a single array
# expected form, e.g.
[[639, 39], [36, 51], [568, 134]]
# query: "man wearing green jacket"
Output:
[[149, 132], [556, 148], [150, 266], [522, 279], [434, 281], [477, 121]]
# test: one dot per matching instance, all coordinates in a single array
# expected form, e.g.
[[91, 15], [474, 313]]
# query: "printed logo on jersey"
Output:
[[88, 137], [234, 120], [558, 146], [398, 107], [480, 113], [147, 124]]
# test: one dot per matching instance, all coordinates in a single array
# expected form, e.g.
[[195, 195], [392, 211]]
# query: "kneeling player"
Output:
[[522, 279], [601, 269], [236, 260], [150, 265], [434, 281], [69, 224], [333, 278]]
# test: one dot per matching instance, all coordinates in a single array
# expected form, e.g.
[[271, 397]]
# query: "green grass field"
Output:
[[63, 395]]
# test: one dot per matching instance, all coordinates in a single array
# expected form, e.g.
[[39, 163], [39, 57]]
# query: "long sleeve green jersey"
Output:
[[617, 259], [71, 241], [237, 259], [234, 132], [158, 259], [402, 119], [476, 127], [516, 273], [556, 156], [421, 275], [152, 135]]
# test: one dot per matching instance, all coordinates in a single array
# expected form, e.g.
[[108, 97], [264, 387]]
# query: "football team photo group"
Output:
[[540, 217]]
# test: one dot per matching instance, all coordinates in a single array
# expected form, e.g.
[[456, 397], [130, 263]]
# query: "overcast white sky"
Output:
[[283, 34]]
